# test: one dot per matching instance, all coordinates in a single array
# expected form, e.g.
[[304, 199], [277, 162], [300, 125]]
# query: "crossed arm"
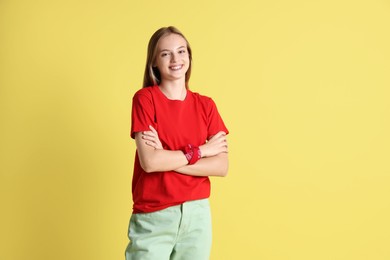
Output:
[[154, 158]]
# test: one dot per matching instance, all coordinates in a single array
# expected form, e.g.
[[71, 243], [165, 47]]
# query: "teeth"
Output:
[[175, 67]]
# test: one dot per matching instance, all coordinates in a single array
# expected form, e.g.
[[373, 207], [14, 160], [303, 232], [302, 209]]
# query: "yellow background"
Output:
[[302, 85]]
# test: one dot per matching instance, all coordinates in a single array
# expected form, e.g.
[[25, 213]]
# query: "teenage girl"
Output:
[[181, 140]]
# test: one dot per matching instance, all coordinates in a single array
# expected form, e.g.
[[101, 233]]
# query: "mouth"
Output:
[[176, 67]]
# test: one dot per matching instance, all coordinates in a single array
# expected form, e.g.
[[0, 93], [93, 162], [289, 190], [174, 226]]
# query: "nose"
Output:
[[173, 57]]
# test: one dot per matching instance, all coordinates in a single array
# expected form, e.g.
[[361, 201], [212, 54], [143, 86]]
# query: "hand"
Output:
[[216, 145], [151, 138]]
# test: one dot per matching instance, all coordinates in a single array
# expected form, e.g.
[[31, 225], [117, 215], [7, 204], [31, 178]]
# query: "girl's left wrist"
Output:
[[192, 153]]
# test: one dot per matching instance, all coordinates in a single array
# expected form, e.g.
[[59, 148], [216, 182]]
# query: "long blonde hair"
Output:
[[152, 75]]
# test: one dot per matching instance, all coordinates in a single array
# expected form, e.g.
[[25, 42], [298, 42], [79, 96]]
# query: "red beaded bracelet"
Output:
[[192, 153]]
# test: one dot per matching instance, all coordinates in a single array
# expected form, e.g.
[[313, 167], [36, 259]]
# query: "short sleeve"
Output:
[[215, 122], [142, 115]]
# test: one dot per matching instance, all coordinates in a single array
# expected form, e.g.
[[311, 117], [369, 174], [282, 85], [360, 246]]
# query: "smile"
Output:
[[177, 67]]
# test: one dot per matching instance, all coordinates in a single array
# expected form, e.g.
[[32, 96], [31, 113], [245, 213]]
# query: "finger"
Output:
[[148, 137], [151, 138], [148, 133], [153, 144], [226, 148], [153, 130], [212, 137], [221, 133], [221, 139]]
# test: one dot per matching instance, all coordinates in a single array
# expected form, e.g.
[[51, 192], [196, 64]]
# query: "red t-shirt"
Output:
[[178, 123]]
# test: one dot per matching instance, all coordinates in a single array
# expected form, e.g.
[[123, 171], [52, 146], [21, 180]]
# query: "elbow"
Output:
[[147, 166], [224, 170], [147, 169], [223, 165]]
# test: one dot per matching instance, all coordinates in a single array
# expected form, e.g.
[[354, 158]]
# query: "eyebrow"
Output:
[[169, 50]]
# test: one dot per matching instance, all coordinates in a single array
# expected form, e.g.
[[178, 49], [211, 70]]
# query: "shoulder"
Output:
[[204, 100], [144, 92], [144, 98], [147, 94]]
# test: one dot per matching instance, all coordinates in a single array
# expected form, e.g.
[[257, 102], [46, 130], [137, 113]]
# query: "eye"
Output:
[[182, 51], [164, 54]]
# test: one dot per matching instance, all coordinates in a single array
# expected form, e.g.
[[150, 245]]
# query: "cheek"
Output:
[[160, 63]]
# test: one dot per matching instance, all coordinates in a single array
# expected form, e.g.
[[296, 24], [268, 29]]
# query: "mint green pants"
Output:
[[180, 232]]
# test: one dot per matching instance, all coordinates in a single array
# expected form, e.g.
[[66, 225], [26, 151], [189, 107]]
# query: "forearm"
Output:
[[158, 160], [209, 166], [154, 158], [164, 160]]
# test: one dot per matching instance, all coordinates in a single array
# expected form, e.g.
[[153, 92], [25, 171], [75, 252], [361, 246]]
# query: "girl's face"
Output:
[[172, 58]]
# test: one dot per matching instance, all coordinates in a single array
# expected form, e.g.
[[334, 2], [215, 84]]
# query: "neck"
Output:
[[174, 90]]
